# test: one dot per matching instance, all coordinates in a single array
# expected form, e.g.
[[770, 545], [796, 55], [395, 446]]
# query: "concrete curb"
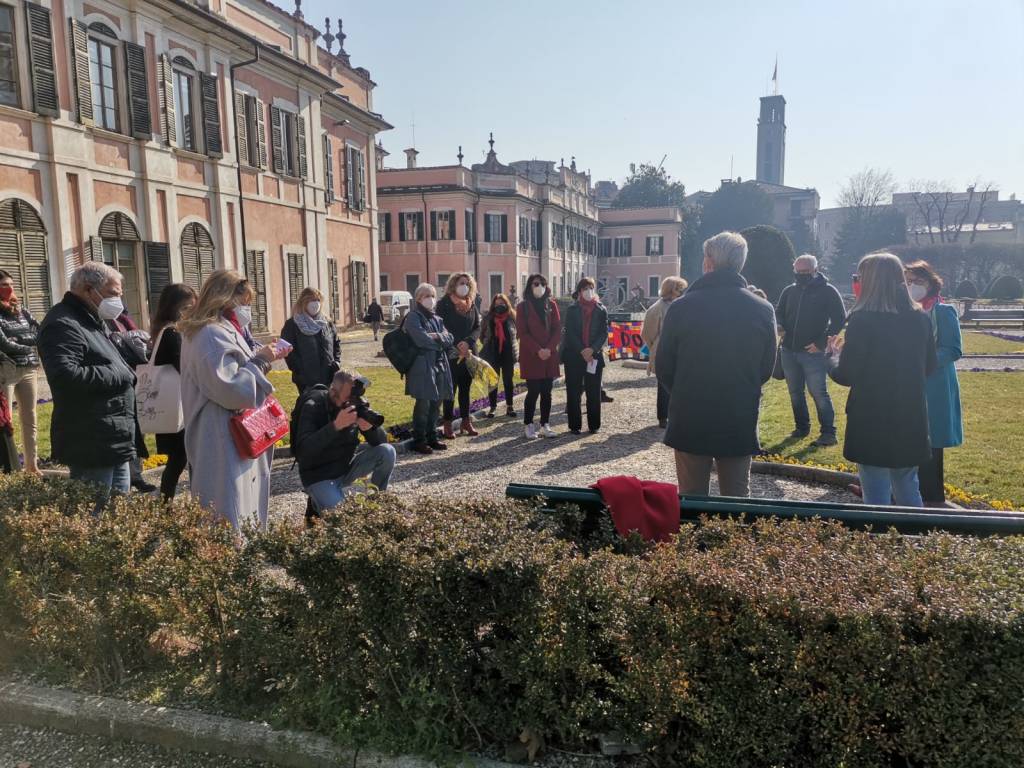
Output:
[[39, 707], [806, 474]]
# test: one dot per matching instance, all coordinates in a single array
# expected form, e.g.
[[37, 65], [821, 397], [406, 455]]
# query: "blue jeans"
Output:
[[809, 369], [377, 461], [880, 485], [115, 479]]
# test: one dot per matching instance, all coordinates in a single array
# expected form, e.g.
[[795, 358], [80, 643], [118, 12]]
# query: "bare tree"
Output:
[[986, 193], [867, 190], [930, 204]]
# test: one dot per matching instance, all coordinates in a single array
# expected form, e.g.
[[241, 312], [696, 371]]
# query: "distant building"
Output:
[[605, 193], [503, 222]]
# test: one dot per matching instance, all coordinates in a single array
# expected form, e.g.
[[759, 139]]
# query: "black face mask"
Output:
[[803, 279], [501, 309]]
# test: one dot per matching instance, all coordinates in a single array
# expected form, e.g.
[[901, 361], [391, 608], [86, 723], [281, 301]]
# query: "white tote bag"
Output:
[[158, 396]]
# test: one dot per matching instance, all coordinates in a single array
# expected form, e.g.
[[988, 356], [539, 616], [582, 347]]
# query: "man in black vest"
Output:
[[810, 314]]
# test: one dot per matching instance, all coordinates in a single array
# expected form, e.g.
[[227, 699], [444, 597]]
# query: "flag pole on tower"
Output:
[[775, 77]]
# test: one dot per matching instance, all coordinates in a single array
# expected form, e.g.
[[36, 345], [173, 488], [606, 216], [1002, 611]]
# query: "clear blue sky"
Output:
[[929, 89]]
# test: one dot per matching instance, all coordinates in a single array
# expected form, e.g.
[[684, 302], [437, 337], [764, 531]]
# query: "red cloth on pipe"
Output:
[[648, 507]]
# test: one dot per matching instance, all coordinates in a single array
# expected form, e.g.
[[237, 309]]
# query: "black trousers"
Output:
[[176, 463], [930, 478], [662, 406], [461, 380], [537, 388], [507, 369], [577, 383]]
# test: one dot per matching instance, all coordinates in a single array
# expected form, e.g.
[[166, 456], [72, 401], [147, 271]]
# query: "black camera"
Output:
[[361, 404]]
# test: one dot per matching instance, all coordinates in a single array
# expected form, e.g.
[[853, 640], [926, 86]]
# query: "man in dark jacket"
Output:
[[811, 314], [93, 424], [327, 440], [716, 351]]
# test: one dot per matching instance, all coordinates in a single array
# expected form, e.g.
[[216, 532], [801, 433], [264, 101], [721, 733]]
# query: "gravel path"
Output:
[[629, 443], [22, 747], [1004, 363]]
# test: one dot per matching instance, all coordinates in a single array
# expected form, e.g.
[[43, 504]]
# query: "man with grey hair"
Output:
[[810, 313], [92, 430], [716, 351], [327, 447]]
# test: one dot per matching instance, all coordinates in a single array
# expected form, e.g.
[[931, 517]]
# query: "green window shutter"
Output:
[[261, 131], [241, 129], [451, 225], [333, 289], [255, 273], [401, 227], [350, 180], [37, 272], [138, 91], [40, 57], [296, 277], [158, 270], [275, 139], [328, 169], [361, 172], [166, 96], [211, 115], [433, 225], [80, 67], [95, 249], [504, 228], [300, 146]]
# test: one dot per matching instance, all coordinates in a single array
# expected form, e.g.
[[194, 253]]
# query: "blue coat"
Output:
[[945, 424], [430, 377]]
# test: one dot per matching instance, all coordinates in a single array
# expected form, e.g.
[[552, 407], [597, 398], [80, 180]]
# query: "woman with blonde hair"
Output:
[[671, 289], [221, 375], [885, 359], [461, 317], [316, 348]]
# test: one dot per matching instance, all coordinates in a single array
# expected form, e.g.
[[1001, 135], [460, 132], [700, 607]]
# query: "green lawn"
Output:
[[991, 460], [982, 344]]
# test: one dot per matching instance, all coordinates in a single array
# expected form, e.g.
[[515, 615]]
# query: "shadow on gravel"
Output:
[[614, 446]]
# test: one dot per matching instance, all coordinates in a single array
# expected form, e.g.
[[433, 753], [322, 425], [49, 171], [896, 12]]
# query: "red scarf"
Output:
[[588, 312], [499, 333], [930, 301]]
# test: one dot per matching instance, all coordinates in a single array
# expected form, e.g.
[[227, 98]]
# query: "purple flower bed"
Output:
[[404, 431]]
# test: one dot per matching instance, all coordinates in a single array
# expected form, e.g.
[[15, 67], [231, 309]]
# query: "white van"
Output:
[[396, 305]]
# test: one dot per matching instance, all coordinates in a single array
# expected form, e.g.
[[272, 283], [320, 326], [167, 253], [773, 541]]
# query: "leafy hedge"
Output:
[[438, 625]]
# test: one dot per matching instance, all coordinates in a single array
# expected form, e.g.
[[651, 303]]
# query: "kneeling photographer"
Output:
[[325, 441]]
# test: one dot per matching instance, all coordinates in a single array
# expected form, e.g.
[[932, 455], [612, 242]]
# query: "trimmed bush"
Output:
[[770, 258], [1005, 287], [441, 625], [966, 290]]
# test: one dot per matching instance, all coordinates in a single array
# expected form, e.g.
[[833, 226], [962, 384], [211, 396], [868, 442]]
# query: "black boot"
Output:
[[311, 512]]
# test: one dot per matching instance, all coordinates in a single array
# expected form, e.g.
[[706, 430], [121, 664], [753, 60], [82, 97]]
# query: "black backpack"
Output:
[[293, 423], [399, 349]]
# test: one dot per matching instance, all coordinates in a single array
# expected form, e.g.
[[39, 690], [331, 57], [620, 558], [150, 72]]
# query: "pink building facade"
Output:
[[499, 222], [170, 138], [502, 223]]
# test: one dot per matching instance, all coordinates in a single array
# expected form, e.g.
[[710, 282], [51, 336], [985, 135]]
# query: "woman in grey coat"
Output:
[[429, 380], [221, 375]]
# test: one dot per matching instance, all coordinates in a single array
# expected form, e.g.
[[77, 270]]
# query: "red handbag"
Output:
[[257, 429]]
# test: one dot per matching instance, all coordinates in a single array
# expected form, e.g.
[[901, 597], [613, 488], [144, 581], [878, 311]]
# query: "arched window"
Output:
[[120, 249], [196, 254], [23, 254]]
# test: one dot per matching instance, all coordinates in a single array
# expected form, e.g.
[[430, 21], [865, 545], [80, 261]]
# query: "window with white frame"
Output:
[[184, 100], [356, 182], [287, 143], [496, 228], [384, 283], [653, 285], [412, 282], [103, 75], [604, 247], [655, 245], [8, 59], [623, 247]]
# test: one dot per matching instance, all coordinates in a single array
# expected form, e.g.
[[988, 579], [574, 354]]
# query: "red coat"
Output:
[[533, 337]]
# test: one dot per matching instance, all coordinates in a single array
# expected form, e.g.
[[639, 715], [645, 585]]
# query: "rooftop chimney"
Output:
[[410, 157]]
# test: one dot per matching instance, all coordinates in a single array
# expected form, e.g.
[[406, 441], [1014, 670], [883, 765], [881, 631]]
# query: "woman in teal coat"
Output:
[[945, 425]]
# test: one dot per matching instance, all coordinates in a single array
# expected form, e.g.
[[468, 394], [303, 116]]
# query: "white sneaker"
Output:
[[531, 431], [546, 431]]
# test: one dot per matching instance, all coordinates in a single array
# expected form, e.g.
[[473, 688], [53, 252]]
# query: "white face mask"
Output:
[[539, 291], [243, 315], [313, 308], [917, 292], [588, 294], [110, 308], [462, 290], [428, 303]]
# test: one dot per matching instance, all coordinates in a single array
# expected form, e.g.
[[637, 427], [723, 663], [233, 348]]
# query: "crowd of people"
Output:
[[712, 345]]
